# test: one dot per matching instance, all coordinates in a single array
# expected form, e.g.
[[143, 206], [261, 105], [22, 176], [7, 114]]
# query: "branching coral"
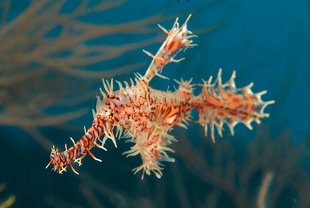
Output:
[[7, 202], [44, 46], [269, 165]]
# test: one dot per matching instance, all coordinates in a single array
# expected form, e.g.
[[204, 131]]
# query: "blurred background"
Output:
[[53, 55]]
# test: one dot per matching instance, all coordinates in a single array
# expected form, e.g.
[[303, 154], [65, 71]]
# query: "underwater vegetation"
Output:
[[267, 172], [47, 49], [6, 202], [53, 55]]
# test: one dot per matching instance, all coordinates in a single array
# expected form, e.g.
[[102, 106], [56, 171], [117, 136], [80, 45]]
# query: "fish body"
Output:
[[145, 116]]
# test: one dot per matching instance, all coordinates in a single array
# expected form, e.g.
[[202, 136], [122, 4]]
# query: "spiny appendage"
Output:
[[151, 144], [102, 124], [58, 160], [61, 160], [224, 103], [177, 40], [185, 90], [107, 107]]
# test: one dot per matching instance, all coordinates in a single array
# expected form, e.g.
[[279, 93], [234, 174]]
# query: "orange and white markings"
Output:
[[145, 115]]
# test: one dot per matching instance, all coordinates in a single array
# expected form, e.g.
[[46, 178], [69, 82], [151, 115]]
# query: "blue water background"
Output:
[[266, 42]]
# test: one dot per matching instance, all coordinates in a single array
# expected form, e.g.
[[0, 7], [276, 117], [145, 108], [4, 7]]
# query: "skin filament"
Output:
[[146, 116]]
